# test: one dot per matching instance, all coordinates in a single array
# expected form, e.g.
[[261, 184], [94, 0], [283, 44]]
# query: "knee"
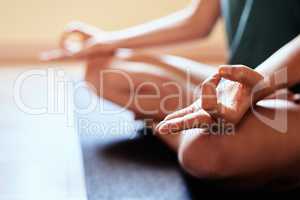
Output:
[[204, 158], [94, 66], [136, 56]]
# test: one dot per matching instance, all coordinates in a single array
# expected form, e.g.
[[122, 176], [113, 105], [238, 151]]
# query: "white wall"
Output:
[[44, 19], [28, 27]]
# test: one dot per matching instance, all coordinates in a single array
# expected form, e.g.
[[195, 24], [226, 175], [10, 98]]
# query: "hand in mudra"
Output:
[[227, 99], [81, 41]]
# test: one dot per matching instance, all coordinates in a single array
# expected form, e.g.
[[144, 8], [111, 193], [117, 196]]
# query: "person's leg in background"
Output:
[[184, 73], [127, 80], [256, 152]]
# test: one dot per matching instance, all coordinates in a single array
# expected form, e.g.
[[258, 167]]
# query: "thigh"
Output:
[[267, 140], [264, 147], [118, 80], [146, 89]]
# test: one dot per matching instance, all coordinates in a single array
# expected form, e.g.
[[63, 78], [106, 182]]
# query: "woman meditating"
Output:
[[242, 125]]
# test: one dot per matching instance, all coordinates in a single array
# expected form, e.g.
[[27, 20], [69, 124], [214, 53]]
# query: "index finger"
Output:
[[209, 93], [55, 55], [199, 119], [241, 74], [79, 29]]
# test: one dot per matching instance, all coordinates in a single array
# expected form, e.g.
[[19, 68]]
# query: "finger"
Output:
[[54, 55], [81, 33], [59, 55], [241, 74], [177, 114], [209, 93], [228, 114], [72, 37], [83, 30], [93, 51], [180, 113], [82, 27], [63, 55], [86, 53], [76, 35], [197, 119]]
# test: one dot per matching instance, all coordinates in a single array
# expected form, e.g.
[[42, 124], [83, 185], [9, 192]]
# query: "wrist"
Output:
[[111, 45], [264, 88]]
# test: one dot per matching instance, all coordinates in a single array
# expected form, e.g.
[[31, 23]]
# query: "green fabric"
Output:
[[258, 28]]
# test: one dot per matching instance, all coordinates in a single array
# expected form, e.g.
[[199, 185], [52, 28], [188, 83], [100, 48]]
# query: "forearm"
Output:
[[195, 21], [281, 70]]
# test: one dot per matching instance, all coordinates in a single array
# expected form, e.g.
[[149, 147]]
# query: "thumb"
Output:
[[241, 74]]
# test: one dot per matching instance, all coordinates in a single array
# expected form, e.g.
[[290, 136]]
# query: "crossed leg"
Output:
[[151, 86], [257, 152]]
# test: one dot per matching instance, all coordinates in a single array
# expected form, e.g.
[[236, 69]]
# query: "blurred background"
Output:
[[32, 145], [30, 26]]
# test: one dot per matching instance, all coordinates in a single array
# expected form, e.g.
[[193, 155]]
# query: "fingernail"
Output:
[[225, 70], [163, 129], [222, 71], [167, 117], [158, 126]]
